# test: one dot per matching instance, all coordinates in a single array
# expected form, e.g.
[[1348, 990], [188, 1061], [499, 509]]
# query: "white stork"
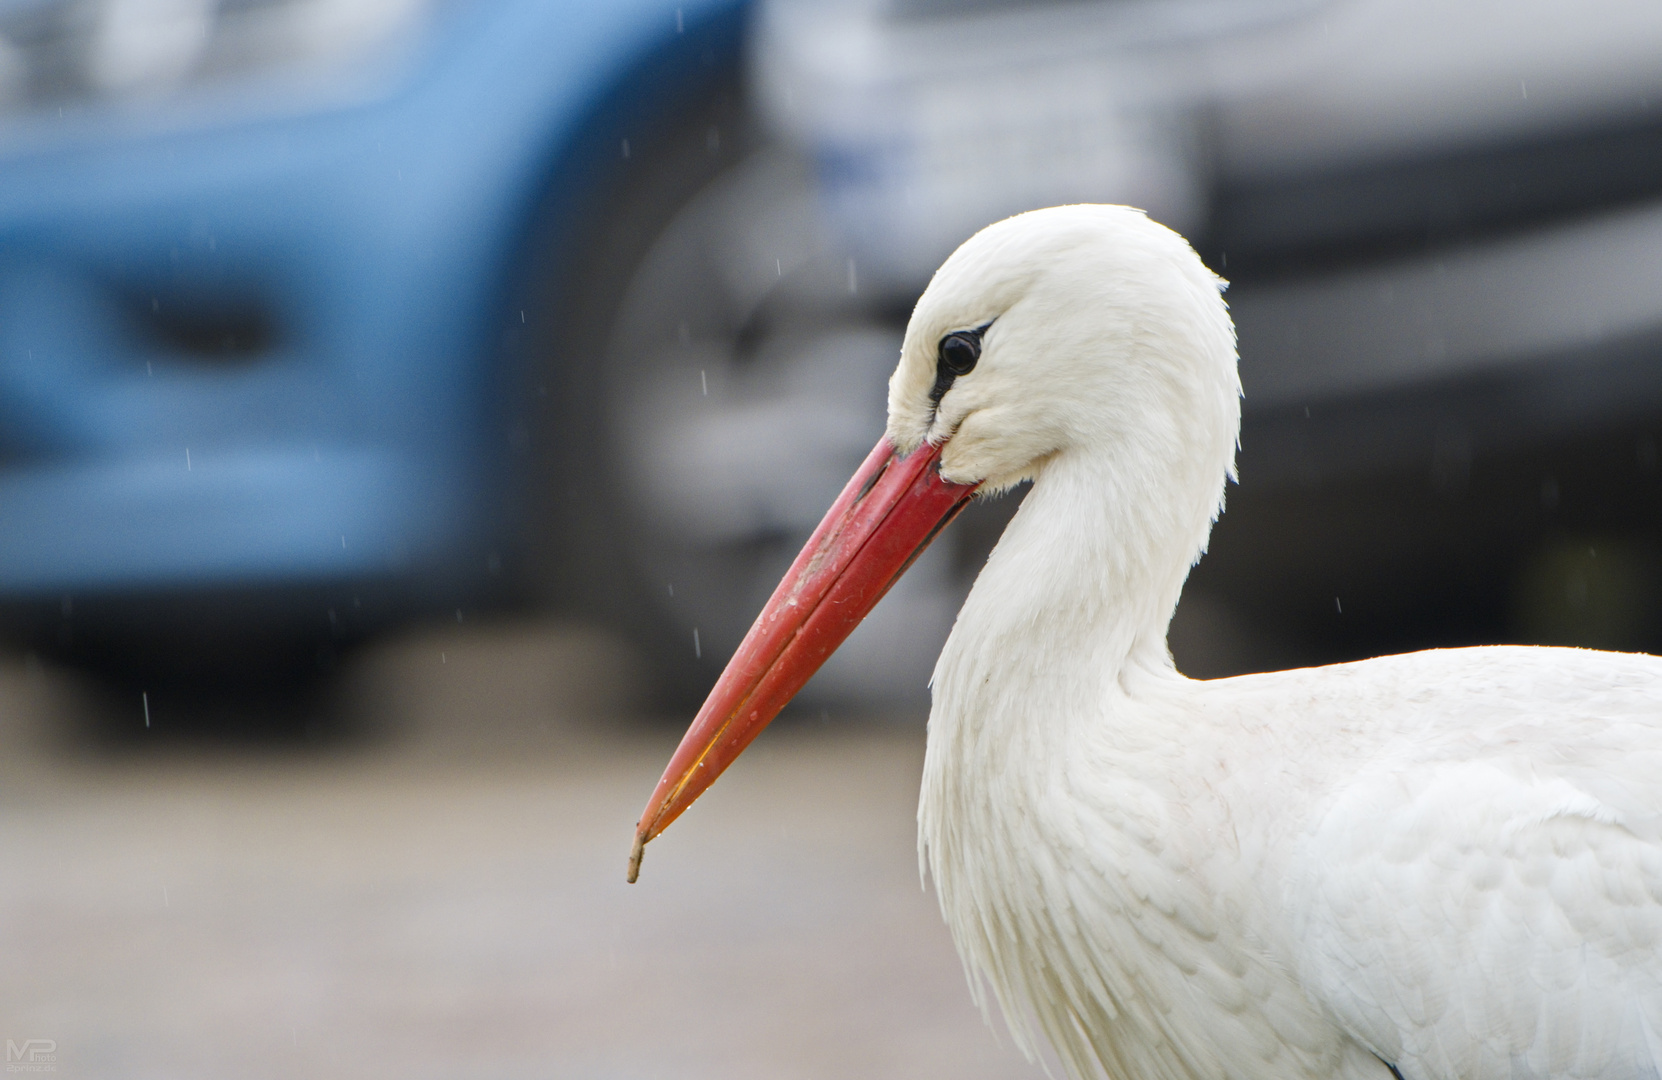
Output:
[[1441, 865]]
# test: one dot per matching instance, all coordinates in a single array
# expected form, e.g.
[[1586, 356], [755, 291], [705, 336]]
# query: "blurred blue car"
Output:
[[277, 284]]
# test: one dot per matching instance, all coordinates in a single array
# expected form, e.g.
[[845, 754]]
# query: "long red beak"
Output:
[[885, 517]]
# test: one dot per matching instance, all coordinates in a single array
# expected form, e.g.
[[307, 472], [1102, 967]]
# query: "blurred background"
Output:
[[405, 405]]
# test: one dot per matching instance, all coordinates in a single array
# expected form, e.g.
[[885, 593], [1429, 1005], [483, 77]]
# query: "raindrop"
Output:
[[1523, 88], [853, 282], [698, 648], [680, 21], [441, 658], [187, 459], [704, 382], [1340, 608], [778, 268], [343, 543], [458, 614], [672, 588], [148, 369], [522, 316], [146, 696], [626, 149]]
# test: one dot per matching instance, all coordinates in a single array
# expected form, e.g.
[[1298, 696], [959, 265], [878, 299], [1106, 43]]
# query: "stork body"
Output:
[[1448, 863]]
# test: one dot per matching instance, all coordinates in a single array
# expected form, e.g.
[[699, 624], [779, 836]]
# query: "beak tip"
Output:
[[635, 855]]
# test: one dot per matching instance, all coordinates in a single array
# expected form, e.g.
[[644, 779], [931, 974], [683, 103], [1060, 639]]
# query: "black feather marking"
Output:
[[945, 372]]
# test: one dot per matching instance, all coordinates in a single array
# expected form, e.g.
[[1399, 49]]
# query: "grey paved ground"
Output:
[[448, 900]]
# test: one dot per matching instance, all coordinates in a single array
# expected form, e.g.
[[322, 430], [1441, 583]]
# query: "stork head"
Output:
[[1076, 327], [1061, 327]]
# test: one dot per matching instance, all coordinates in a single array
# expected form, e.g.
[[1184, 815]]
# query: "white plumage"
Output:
[[1448, 862]]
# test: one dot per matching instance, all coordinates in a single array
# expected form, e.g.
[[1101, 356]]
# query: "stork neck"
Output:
[[1076, 598]]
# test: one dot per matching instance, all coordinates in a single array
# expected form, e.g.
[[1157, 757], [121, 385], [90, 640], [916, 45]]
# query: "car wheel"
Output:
[[737, 378]]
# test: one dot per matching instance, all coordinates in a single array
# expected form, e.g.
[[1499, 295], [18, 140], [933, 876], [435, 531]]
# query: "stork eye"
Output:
[[958, 353], [954, 356]]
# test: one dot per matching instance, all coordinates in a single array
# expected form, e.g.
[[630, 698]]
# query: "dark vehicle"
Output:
[[1441, 226]]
